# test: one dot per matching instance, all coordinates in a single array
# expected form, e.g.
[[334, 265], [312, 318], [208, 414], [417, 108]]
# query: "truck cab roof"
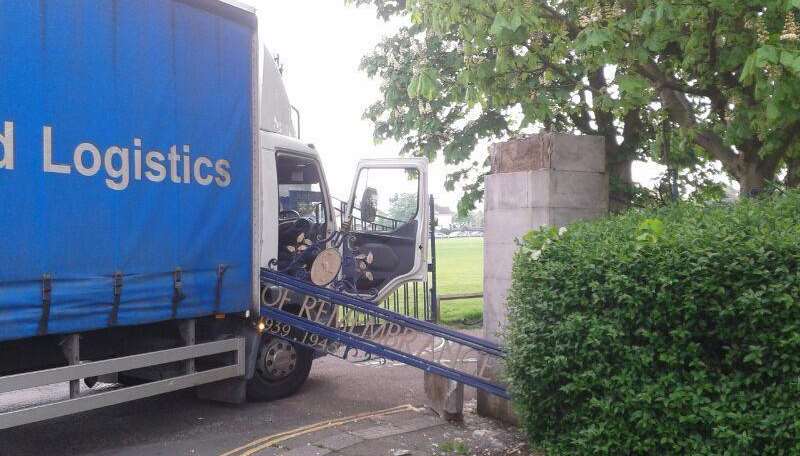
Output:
[[281, 142], [275, 108]]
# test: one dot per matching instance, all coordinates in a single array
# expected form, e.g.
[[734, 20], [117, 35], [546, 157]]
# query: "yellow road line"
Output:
[[265, 442]]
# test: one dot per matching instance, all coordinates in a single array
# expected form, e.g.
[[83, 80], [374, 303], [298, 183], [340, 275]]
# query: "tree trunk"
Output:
[[620, 181], [793, 173], [752, 180]]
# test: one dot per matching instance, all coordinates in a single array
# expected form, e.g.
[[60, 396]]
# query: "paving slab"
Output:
[[418, 423], [311, 438], [417, 443], [338, 442], [377, 432], [308, 450]]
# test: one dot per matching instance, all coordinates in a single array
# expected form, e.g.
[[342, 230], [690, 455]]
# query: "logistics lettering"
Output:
[[121, 164]]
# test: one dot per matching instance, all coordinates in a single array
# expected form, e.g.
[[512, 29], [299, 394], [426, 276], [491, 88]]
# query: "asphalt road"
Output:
[[180, 424]]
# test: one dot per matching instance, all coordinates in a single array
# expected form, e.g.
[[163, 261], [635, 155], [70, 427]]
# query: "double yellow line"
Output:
[[265, 442]]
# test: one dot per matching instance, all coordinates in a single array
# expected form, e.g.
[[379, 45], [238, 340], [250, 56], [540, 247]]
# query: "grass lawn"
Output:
[[459, 269]]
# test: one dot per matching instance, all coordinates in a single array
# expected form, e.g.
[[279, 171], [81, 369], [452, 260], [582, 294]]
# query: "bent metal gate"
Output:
[[350, 328]]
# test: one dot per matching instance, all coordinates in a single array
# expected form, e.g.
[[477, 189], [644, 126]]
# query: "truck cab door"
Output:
[[389, 219]]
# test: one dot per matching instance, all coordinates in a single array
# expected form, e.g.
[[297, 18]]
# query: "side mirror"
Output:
[[369, 205]]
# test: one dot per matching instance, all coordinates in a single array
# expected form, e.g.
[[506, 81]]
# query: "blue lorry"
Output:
[[148, 171]]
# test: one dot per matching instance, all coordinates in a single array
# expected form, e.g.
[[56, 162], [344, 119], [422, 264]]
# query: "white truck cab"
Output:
[[387, 208], [385, 220]]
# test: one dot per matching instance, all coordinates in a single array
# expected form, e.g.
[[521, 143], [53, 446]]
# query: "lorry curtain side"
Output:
[[126, 164]]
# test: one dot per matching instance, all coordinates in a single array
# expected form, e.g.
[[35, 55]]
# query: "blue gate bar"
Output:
[[383, 351], [300, 286]]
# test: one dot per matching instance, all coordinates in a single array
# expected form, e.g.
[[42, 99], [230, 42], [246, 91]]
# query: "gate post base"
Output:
[[445, 397], [495, 407], [491, 406]]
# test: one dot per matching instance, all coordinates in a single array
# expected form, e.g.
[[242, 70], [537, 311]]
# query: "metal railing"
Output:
[[381, 223], [460, 296], [414, 299]]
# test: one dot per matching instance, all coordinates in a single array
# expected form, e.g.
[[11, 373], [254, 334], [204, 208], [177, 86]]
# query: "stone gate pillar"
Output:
[[544, 179]]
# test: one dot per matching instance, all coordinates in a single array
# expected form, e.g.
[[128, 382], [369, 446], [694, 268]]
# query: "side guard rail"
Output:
[[78, 401]]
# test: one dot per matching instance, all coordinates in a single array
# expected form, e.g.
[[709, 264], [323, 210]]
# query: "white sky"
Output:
[[321, 43]]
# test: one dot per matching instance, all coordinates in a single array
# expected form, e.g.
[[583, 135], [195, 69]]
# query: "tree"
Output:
[[402, 206], [712, 79], [472, 220]]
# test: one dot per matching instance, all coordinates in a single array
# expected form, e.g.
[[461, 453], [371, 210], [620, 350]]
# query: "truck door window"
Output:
[[301, 203], [385, 199], [385, 219]]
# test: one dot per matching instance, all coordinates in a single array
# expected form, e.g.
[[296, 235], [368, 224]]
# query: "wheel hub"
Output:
[[278, 359]]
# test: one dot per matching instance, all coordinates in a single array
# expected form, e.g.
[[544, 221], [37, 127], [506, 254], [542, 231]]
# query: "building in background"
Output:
[[444, 217]]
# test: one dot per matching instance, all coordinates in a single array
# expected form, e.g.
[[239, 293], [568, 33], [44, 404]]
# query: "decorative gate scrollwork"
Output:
[[334, 261]]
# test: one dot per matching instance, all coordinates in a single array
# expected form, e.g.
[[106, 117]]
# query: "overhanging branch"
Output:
[[681, 112]]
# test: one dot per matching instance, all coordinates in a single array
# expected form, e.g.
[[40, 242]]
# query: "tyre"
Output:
[[281, 369]]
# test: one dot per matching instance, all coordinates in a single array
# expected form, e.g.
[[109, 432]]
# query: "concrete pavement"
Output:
[[401, 431]]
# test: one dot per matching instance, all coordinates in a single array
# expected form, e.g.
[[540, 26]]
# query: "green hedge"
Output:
[[672, 331]]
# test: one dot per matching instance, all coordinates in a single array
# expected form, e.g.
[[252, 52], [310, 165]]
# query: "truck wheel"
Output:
[[281, 369]]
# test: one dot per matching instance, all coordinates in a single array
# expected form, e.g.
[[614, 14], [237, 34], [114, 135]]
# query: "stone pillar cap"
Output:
[[549, 151]]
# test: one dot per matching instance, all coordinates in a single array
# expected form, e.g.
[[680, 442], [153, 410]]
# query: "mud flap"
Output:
[[234, 390]]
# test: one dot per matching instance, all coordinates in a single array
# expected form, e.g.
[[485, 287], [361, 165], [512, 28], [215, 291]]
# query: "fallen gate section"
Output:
[[372, 331]]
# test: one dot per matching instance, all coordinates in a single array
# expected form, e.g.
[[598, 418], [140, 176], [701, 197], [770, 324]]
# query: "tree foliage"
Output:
[[700, 79], [402, 206], [471, 221]]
